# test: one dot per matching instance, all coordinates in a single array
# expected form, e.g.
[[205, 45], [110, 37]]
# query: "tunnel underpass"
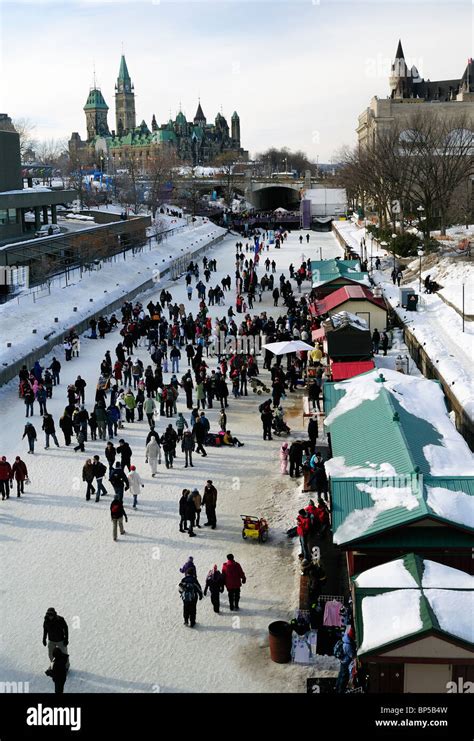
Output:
[[268, 199]]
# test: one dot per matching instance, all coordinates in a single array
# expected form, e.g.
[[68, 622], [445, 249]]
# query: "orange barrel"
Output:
[[280, 642]]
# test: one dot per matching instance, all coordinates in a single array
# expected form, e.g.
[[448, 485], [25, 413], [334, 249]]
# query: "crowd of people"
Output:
[[180, 346]]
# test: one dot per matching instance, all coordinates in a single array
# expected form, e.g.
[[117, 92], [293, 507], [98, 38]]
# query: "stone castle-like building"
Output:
[[409, 93], [195, 142]]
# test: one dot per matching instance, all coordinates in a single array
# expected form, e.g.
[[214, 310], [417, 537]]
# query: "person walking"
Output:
[[190, 591], [20, 474], [80, 437], [67, 428], [384, 341], [175, 355], [49, 430], [209, 502], [110, 454], [125, 452], [187, 446], [99, 472], [88, 476], [5, 477], [376, 341], [153, 455], [29, 400], [234, 577], [58, 670], [119, 481], [215, 586], [267, 417], [181, 425], [199, 432], [117, 514], [30, 434], [149, 406], [55, 633], [136, 484]]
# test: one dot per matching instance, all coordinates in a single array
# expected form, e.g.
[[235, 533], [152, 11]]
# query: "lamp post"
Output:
[[421, 252], [420, 210], [394, 236]]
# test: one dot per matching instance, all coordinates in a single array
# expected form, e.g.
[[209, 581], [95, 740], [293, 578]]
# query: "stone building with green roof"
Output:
[[195, 142]]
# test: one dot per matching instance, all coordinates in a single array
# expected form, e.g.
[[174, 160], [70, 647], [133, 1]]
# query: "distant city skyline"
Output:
[[298, 73]]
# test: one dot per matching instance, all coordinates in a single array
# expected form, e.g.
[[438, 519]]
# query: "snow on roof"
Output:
[[345, 318], [421, 398], [437, 575], [348, 293], [389, 617], [384, 498], [337, 468], [454, 611], [451, 505], [393, 574]]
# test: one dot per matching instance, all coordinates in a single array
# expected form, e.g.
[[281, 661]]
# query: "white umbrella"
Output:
[[283, 348]]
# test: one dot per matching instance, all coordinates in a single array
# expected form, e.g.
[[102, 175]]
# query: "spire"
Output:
[[199, 117], [399, 54], [123, 71]]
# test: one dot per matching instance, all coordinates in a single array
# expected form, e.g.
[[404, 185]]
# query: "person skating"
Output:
[[267, 417], [223, 420], [199, 432], [49, 430], [55, 633], [149, 406], [31, 436], [80, 437], [153, 455], [187, 446], [99, 472], [136, 484], [234, 577], [58, 670], [117, 514], [209, 502], [20, 474], [190, 591], [110, 454], [215, 585], [189, 565]]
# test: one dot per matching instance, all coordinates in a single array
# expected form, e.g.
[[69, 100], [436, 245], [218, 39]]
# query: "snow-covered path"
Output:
[[120, 599]]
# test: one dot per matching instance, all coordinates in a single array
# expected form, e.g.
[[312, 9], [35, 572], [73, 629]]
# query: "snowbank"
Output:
[[451, 505]]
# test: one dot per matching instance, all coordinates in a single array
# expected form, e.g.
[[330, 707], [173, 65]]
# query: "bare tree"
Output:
[[226, 163], [50, 151], [128, 190], [159, 170], [25, 128]]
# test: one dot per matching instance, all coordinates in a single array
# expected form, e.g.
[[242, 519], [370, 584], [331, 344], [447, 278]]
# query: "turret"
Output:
[[96, 114], [236, 128]]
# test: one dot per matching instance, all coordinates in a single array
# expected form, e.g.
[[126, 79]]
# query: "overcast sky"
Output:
[[297, 71]]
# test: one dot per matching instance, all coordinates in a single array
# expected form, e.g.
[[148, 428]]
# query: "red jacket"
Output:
[[302, 525], [233, 575], [20, 471], [5, 471]]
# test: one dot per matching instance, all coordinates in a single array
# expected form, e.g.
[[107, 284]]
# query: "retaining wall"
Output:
[[7, 374]]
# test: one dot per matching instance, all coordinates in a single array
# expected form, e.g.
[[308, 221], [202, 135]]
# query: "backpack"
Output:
[[338, 652], [116, 509], [188, 591]]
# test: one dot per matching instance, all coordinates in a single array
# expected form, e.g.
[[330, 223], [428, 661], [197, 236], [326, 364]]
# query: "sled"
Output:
[[254, 527]]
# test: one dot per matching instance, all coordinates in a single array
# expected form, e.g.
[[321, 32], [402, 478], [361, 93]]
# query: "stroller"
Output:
[[279, 425]]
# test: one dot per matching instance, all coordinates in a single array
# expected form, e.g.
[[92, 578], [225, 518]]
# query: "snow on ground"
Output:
[[114, 279], [120, 598], [438, 328]]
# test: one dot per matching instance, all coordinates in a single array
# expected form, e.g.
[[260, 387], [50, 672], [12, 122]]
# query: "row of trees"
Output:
[[423, 161], [279, 160]]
